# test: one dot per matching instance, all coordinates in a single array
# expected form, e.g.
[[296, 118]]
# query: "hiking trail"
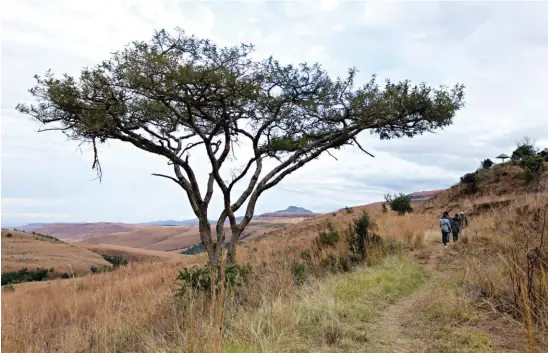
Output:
[[389, 335]]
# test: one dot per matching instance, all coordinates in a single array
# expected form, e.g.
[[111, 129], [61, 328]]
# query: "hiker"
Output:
[[445, 226], [455, 227], [463, 220]]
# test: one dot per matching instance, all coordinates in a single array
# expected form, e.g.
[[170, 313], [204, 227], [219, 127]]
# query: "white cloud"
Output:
[[499, 50]]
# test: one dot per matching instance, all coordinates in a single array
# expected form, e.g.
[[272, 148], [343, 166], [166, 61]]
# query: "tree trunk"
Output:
[[231, 255], [213, 251]]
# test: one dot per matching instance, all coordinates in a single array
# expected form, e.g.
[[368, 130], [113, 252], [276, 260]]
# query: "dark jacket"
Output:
[[455, 225]]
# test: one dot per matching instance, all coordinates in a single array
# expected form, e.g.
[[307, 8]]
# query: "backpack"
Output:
[[444, 225]]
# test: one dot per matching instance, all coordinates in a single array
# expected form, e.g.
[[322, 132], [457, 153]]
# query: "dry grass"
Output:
[[128, 309], [33, 251], [325, 316], [131, 254], [132, 309]]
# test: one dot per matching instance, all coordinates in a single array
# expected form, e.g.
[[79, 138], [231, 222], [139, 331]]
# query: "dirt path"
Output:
[[388, 335]]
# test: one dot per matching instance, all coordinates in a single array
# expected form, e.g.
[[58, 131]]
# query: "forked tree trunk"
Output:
[[231, 254]]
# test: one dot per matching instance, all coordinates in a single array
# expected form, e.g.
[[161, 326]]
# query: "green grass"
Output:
[[327, 316]]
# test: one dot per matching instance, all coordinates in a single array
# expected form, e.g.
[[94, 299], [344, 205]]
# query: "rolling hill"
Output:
[[20, 250]]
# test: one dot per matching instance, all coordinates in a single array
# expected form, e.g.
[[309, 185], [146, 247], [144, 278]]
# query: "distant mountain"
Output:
[[423, 195], [291, 211], [294, 209]]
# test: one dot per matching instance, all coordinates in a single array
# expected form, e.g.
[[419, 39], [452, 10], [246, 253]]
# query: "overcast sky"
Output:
[[499, 50]]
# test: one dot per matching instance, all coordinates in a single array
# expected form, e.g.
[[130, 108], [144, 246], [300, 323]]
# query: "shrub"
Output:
[[65, 275], [533, 167], [327, 237], [298, 271], [94, 269], [24, 275], [116, 260], [526, 147], [471, 180], [399, 203], [360, 237], [348, 209], [384, 208], [487, 163], [9, 235], [198, 279]]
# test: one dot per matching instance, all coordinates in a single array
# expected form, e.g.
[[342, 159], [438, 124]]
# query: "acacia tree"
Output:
[[176, 93]]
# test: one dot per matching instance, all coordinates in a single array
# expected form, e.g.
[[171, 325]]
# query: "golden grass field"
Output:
[[33, 251], [132, 309]]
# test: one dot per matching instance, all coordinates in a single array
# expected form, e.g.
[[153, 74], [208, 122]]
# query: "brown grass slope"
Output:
[[34, 251], [179, 237], [132, 309], [131, 254]]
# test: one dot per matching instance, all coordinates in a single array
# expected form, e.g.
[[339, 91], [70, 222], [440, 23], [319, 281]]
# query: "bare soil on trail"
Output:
[[389, 335]]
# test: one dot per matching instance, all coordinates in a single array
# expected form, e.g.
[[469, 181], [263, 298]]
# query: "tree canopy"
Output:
[[400, 203], [176, 93]]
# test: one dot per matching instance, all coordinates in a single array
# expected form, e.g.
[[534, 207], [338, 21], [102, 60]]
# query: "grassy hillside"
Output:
[[20, 250], [131, 254], [474, 297]]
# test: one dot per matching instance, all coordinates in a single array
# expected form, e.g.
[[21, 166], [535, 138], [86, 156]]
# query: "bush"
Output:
[[471, 180], [298, 271], [399, 203], [94, 269], [9, 235], [116, 261], [198, 279], [384, 208], [348, 209], [526, 148], [533, 167], [487, 163], [24, 275], [360, 237], [327, 237]]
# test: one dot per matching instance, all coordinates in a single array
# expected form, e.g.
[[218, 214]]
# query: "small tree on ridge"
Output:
[[399, 203], [177, 93]]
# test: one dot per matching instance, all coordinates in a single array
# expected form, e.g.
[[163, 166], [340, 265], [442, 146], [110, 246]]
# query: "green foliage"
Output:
[[176, 93], [360, 237], [399, 203], [24, 275], [199, 279], [471, 180], [487, 163], [525, 148], [116, 260], [298, 271], [327, 237], [384, 208], [533, 168]]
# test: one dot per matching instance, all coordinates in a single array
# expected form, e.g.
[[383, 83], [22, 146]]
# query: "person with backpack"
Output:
[[463, 220], [445, 226], [455, 227]]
